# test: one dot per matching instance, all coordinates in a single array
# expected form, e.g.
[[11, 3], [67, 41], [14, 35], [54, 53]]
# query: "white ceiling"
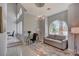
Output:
[[39, 11]]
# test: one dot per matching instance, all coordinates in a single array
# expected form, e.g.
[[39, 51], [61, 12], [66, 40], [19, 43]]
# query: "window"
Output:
[[19, 28], [58, 28], [19, 22], [20, 13]]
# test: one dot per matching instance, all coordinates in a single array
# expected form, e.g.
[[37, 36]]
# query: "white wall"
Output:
[[30, 23], [46, 27], [11, 17], [3, 37]]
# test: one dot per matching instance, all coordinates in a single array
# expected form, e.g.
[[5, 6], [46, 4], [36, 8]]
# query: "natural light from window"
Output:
[[58, 27], [19, 14]]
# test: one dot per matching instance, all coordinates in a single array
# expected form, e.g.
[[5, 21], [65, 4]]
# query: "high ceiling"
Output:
[[47, 10]]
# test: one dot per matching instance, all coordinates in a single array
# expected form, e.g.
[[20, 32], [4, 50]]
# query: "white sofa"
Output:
[[56, 41]]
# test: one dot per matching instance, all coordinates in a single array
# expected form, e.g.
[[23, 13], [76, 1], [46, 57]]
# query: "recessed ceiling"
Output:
[[47, 9]]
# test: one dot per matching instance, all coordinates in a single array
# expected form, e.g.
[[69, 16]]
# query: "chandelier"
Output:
[[39, 4]]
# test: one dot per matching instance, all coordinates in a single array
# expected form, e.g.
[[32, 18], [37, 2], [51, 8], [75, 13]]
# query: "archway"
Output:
[[58, 27]]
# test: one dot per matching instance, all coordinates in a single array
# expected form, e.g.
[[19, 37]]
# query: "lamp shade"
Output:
[[75, 30]]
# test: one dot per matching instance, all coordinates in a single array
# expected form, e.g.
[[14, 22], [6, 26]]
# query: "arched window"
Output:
[[58, 27]]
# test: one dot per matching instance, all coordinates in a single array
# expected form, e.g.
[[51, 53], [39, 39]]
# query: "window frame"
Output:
[[59, 32]]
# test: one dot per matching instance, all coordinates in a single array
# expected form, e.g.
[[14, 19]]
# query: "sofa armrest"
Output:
[[64, 40], [65, 44]]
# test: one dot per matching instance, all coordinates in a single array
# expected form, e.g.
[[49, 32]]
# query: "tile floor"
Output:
[[36, 49]]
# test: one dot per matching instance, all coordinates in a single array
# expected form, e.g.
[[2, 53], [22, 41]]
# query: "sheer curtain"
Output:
[[19, 21], [19, 28]]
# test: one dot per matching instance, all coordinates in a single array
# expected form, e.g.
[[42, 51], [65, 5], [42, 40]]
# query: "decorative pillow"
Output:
[[51, 36], [57, 37]]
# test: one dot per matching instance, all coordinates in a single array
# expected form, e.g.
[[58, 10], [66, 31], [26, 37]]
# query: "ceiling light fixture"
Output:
[[39, 4]]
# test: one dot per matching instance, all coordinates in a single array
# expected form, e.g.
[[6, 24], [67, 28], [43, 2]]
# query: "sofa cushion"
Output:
[[56, 37], [51, 36], [61, 38], [58, 41]]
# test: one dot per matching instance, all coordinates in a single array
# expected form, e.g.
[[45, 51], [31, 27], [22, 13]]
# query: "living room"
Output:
[[44, 29]]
